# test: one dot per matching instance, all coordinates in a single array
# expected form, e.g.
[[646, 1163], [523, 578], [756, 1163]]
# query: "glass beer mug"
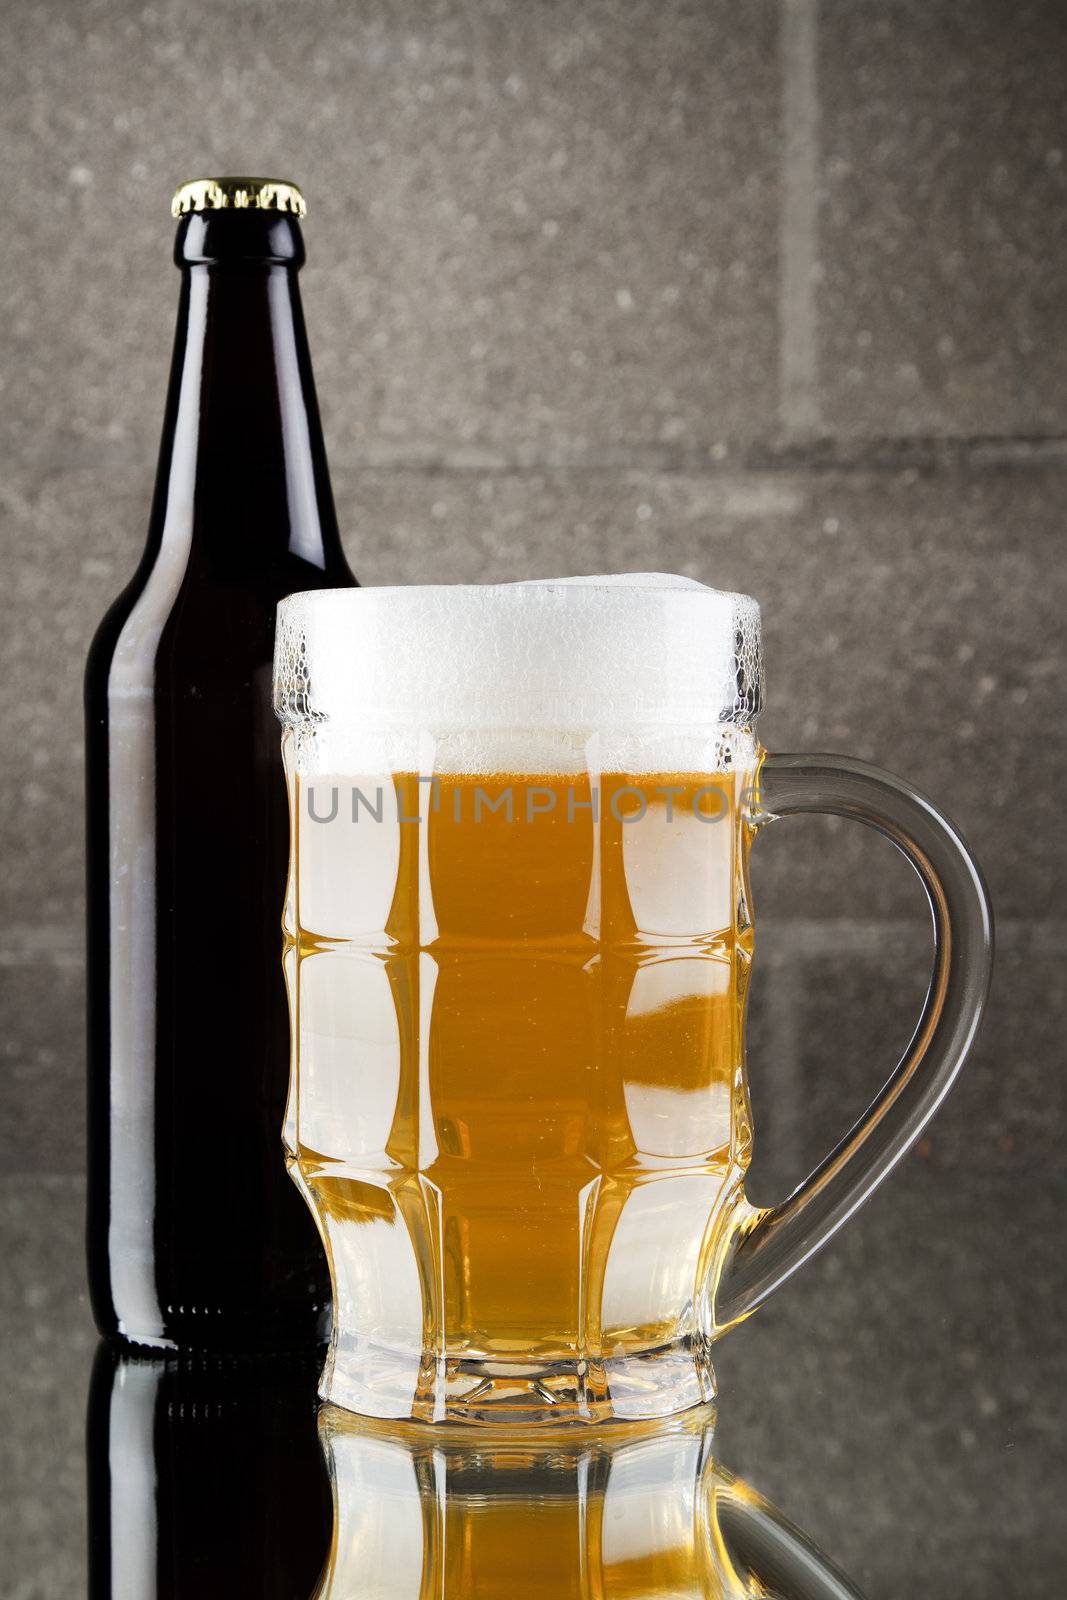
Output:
[[518, 940]]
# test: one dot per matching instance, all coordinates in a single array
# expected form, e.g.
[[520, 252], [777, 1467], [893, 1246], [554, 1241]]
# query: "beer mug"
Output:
[[635, 1511], [518, 940]]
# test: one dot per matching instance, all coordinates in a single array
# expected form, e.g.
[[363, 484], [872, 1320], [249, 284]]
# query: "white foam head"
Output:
[[563, 656]]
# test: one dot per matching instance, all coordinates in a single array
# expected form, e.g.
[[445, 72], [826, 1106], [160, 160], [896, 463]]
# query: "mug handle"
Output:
[[770, 1244]]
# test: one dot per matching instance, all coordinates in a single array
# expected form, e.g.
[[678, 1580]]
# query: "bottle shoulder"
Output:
[[110, 626], [168, 618]]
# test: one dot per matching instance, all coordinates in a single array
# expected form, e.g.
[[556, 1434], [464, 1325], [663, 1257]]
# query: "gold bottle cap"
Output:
[[238, 194]]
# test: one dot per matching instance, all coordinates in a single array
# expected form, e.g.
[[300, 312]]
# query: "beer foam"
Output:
[[638, 659]]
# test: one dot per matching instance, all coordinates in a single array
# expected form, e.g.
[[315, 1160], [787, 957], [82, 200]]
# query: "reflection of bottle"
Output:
[[196, 1236], [205, 1478], [632, 1511]]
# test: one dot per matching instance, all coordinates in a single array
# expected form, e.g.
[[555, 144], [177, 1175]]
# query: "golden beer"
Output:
[[519, 1079]]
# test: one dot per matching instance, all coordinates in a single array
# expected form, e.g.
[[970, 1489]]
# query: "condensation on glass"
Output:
[[518, 941]]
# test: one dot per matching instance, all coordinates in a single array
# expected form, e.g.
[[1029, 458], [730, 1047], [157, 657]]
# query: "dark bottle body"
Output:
[[196, 1234], [205, 1477]]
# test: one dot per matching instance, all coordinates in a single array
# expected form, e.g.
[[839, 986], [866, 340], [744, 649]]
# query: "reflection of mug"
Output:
[[518, 943], [634, 1510]]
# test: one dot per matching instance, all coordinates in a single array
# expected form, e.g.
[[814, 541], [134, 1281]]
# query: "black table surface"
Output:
[[900, 1402]]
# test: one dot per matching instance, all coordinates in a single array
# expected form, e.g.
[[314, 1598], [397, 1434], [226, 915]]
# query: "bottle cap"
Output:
[[238, 194]]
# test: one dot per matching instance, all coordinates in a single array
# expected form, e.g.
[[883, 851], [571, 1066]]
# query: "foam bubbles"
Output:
[[476, 666]]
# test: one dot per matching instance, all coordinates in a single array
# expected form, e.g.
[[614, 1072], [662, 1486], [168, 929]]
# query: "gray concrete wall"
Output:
[[767, 293]]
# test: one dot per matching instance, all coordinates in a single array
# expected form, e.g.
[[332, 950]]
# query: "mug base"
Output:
[[657, 1382]]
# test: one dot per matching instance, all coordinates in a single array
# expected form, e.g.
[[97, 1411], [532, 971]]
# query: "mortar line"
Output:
[[825, 456], [798, 399]]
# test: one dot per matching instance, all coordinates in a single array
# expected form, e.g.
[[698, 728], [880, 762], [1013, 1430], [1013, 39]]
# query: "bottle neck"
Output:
[[242, 474]]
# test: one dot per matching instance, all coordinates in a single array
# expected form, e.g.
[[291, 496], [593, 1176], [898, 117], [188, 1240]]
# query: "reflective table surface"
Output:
[[888, 1426], [217, 1478]]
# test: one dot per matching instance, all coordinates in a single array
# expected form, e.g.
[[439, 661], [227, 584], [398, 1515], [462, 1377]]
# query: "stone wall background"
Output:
[[771, 294]]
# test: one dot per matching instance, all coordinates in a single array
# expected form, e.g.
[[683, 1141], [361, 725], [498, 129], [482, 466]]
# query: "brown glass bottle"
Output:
[[196, 1235]]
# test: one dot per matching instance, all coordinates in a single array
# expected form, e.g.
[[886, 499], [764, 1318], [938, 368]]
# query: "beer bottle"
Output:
[[196, 1235]]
